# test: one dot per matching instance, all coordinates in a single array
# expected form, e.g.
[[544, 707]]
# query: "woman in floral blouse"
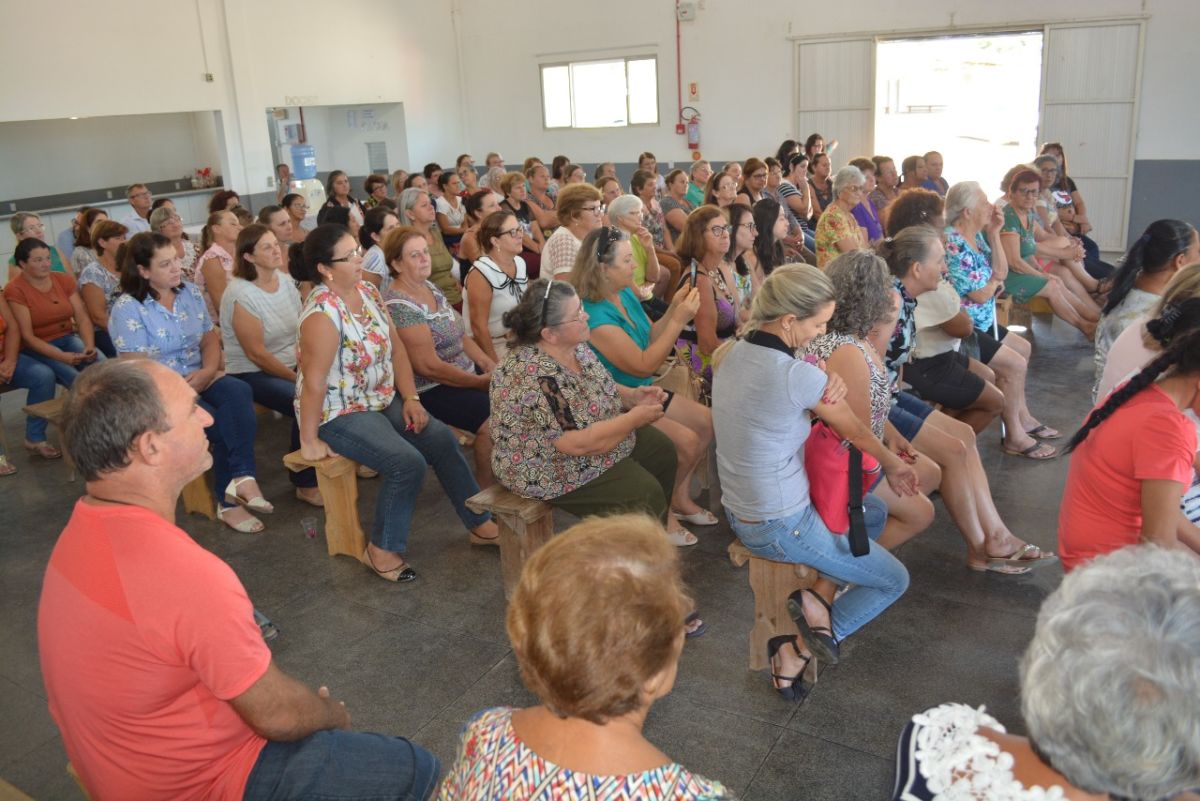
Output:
[[564, 431], [594, 683], [160, 318], [451, 371], [355, 396]]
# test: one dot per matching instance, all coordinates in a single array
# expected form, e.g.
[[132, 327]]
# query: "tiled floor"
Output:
[[418, 659]]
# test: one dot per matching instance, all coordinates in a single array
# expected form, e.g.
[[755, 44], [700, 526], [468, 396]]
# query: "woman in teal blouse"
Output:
[[632, 349]]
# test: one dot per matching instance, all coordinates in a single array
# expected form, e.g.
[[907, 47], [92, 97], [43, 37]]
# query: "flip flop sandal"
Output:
[[1018, 558], [1037, 451], [1004, 570], [819, 639], [1044, 432]]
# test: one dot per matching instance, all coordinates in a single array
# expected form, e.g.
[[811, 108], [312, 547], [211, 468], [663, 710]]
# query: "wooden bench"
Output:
[[1003, 310], [10, 793], [525, 525], [772, 583], [337, 478], [52, 411]]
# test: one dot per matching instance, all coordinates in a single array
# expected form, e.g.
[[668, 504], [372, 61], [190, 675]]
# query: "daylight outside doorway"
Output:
[[975, 99]]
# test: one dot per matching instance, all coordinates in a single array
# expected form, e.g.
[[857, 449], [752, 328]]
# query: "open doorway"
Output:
[[974, 99]]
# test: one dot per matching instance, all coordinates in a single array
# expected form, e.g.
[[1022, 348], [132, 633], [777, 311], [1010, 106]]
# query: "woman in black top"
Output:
[[516, 201]]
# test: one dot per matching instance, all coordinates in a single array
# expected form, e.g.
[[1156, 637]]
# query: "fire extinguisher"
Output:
[[693, 128]]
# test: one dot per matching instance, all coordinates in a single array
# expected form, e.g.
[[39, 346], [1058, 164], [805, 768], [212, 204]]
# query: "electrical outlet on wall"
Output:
[[177, 184], [109, 193]]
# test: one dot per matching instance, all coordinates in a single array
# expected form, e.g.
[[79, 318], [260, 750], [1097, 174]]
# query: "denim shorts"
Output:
[[908, 415]]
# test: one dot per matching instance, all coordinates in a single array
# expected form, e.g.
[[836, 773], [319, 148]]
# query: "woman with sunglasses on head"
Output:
[[564, 431], [702, 249], [495, 283], [356, 396], [27, 225], [633, 348]]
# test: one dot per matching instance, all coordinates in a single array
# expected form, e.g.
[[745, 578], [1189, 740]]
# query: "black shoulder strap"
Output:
[[859, 543]]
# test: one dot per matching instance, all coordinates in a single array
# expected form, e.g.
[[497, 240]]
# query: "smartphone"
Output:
[[693, 278], [670, 397]]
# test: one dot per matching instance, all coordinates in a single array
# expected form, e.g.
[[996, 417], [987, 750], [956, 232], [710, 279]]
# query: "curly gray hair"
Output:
[[1110, 685], [863, 292]]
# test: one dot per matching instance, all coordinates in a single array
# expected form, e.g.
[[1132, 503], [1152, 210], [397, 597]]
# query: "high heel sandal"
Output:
[[259, 504], [797, 690], [43, 449], [819, 639]]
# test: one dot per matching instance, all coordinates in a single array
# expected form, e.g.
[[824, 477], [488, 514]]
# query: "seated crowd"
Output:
[[597, 342]]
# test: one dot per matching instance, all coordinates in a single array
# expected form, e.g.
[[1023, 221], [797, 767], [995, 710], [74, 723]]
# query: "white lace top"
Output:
[[942, 757]]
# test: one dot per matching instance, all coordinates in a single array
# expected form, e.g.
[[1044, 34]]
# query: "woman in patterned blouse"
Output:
[[595, 682], [159, 317], [355, 396], [451, 371], [564, 431]]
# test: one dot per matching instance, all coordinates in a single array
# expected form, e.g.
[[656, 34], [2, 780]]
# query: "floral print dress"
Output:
[[534, 401], [360, 378], [970, 267]]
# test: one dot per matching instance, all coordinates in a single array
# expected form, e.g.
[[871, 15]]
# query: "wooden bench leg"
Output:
[[518, 541], [343, 532], [198, 497], [772, 583]]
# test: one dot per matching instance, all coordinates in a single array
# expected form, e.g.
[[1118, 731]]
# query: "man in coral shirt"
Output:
[[156, 672]]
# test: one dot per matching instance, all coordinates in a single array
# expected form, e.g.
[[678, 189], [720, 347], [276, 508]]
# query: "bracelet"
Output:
[[416, 398]]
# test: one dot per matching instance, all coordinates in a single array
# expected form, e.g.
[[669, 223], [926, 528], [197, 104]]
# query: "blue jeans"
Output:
[[343, 765], [231, 405], [37, 377], [276, 394], [64, 374], [379, 441], [878, 578]]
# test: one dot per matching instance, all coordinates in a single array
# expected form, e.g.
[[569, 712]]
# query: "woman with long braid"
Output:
[[1133, 459]]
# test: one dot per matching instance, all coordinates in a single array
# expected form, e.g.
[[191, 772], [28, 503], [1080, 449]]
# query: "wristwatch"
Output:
[[416, 398]]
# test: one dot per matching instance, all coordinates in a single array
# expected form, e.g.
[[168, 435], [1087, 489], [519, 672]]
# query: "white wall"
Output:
[[47, 157], [742, 58], [153, 59], [340, 146]]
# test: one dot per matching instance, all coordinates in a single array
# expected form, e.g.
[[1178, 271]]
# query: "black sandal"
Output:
[[797, 690], [819, 639]]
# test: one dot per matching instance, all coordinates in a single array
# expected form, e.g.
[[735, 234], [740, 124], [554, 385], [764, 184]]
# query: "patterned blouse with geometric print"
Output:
[[493, 764], [534, 401], [360, 379]]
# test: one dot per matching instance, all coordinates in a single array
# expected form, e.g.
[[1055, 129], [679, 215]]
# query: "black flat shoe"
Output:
[[819, 639], [796, 690]]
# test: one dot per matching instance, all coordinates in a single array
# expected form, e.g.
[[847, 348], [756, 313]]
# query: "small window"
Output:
[[600, 94]]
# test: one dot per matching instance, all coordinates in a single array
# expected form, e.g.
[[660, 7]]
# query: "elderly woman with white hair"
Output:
[[649, 279], [837, 230], [1109, 695], [416, 209]]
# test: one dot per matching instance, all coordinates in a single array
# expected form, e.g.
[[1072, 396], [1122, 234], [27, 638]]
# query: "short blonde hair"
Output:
[[510, 181], [598, 612], [571, 200]]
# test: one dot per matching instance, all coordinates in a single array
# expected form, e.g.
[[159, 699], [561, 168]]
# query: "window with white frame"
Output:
[[610, 93]]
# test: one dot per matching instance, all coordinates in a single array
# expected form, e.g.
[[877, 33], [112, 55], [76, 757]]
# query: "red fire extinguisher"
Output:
[[692, 124]]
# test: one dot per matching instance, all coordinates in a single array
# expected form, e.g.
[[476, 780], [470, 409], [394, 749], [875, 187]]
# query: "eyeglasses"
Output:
[[759, 175], [592, 209], [515, 233], [749, 226], [1030, 192], [721, 230], [351, 256], [139, 194], [858, 188]]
